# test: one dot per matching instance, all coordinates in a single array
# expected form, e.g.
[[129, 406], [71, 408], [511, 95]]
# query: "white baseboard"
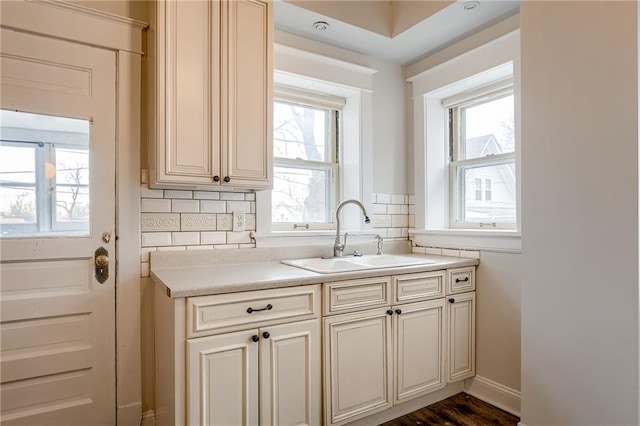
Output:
[[494, 393], [148, 418]]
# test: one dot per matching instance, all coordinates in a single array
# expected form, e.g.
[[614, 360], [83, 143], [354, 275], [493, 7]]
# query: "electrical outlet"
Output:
[[238, 221]]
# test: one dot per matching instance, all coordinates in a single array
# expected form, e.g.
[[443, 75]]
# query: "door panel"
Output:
[[57, 322]]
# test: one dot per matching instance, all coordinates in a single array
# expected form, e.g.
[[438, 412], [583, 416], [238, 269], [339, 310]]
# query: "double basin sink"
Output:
[[355, 263]]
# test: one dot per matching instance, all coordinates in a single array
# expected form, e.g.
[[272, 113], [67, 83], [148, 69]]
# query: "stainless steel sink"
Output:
[[359, 263]]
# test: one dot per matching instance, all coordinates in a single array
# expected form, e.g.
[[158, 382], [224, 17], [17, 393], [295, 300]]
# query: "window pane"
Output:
[[301, 195], [44, 175], [487, 127], [72, 187], [499, 204], [301, 132]]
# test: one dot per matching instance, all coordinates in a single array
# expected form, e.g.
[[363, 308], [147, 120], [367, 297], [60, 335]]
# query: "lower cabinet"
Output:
[[462, 336], [378, 358], [266, 376]]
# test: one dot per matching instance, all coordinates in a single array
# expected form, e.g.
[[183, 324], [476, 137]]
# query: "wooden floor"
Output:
[[459, 410]]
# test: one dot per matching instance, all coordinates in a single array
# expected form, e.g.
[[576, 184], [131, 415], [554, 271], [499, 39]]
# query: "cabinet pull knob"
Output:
[[452, 300], [216, 178], [266, 308], [389, 312], [255, 338], [398, 311], [464, 280], [227, 179], [266, 335]]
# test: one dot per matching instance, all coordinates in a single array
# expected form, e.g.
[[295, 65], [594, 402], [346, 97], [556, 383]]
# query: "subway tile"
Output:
[[470, 254], [381, 231], [394, 233], [206, 247], [412, 199], [379, 209], [250, 196], [412, 209], [172, 248], [153, 205], [198, 222], [185, 206], [450, 252], [146, 192], [399, 221], [383, 198], [172, 193], [213, 206], [145, 253], [433, 251], [398, 199], [420, 250], [185, 238], [252, 208], [226, 246], [224, 222], [397, 209], [243, 206], [381, 221], [405, 232], [250, 222], [206, 195], [213, 237], [233, 196], [159, 222], [412, 221], [156, 239], [238, 237]]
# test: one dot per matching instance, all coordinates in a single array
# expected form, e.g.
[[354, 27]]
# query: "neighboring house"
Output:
[[490, 191]]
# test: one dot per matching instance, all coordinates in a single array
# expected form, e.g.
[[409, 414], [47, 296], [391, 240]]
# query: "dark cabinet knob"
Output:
[[266, 335], [389, 312], [216, 178], [452, 300], [398, 311], [255, 337], [227, 179]]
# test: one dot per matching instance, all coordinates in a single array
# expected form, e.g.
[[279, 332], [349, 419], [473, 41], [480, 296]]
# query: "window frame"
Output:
[[334, 105], [454, 138]]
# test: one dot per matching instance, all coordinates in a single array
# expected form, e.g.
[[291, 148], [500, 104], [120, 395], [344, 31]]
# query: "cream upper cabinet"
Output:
[[210, 100]]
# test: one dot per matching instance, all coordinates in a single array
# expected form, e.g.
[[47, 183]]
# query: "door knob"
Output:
[[101, 261]]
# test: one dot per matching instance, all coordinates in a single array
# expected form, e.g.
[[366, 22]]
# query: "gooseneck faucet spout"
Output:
[[338, 246]]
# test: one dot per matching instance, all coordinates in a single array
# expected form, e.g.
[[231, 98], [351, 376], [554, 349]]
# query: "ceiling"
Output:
[[396, 31]]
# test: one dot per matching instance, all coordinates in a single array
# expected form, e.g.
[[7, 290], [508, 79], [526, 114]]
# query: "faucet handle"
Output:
[[379, 240]]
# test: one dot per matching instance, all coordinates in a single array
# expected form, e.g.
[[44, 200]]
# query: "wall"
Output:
[[134, 9], [580, 213]]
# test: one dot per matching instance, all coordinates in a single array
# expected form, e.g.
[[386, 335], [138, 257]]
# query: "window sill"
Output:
[[477, 239]]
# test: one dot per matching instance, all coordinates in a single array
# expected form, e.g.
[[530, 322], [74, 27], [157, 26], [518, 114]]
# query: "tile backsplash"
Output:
[[200, 220]]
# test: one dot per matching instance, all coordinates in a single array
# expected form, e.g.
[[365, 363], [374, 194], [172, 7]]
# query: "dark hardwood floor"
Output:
[[459, 410]]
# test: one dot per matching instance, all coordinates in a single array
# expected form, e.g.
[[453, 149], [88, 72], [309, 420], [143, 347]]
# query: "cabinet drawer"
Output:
[[348, 296], [422, 286], [239, 311], [461, 280]]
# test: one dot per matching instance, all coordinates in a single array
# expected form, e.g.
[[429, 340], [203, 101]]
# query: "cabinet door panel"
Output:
[[290, 383], [462, 339], [419, 345], [357, 358], [187, 80], [222, 380], [248, 127]]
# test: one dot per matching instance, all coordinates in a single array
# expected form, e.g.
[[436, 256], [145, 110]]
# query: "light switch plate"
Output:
[[238, 221]]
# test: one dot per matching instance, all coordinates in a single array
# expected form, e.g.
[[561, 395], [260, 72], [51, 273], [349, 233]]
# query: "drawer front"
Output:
[[353, 295], [239, 311], [461, 280], [415, 287]]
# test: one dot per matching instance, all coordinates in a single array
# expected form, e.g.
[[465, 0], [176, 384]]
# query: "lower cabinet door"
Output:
[[357, 356], [222, 379], [462, 336], [290, 376], [419, 347]]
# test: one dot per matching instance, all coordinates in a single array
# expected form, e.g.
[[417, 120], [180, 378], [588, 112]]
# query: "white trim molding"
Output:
[[487, 240], [494, 393]]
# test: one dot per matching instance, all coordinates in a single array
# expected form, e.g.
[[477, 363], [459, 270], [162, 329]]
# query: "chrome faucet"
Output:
[[338, 246]]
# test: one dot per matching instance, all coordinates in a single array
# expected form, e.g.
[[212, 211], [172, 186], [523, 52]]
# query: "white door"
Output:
[[57, 199]]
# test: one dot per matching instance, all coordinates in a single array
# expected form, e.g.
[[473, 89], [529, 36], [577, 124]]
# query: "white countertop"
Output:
[[201, 279]]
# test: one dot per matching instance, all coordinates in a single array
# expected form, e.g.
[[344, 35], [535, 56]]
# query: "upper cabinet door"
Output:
[[247, 131], [184, 97]]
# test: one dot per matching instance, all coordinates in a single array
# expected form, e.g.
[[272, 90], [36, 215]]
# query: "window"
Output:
[[482, 159], [44, 175], [306, 172]]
